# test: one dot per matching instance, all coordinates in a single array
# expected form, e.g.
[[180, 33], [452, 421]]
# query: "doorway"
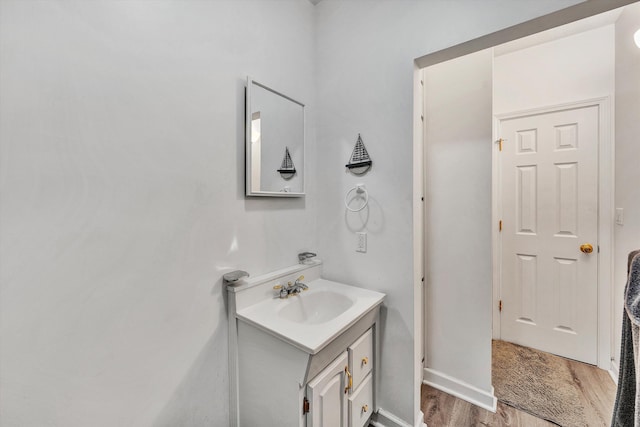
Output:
[[477, 388], [554, 74]]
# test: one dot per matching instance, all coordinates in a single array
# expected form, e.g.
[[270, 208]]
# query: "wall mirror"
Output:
[[274, 143]]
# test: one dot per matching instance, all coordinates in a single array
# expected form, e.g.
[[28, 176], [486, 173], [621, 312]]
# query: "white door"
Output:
[[549, 195], [327, 396]]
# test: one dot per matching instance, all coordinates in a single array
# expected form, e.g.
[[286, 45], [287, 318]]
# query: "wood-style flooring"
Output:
[[595, 386]]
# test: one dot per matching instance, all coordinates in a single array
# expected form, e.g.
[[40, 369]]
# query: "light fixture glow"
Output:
[[636, 38]]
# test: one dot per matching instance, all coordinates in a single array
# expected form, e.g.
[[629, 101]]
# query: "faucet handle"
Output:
[[283, 293], [299, 283]]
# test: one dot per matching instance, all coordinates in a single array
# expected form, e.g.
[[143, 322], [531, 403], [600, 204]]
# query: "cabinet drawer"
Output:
[[361, 357], [361, 404]]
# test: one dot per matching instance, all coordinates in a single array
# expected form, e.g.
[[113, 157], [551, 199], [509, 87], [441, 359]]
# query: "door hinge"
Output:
[[500, 305], [500, 143], [500, 225], [305, 406]]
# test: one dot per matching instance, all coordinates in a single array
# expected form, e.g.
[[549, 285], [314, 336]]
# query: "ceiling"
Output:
[[586, 24]]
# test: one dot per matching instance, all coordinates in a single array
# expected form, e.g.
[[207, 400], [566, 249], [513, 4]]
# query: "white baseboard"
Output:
[[460, 389], [384, 418], [614, 372]]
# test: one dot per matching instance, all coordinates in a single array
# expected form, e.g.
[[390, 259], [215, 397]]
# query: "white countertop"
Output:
[[316, 331]]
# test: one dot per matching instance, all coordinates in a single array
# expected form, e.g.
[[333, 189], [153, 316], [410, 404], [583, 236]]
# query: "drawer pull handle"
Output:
[[365, 360], [350, 381], [365, 408]]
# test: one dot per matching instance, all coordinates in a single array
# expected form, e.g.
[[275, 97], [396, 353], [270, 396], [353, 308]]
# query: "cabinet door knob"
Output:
[[365, 360], [365, 408]]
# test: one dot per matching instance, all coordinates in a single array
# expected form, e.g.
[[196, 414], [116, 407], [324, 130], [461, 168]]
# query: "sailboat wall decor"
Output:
[[287, 169], [360, 161]]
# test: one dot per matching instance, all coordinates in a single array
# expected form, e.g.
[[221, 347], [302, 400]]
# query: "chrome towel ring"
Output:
[[360, 192]]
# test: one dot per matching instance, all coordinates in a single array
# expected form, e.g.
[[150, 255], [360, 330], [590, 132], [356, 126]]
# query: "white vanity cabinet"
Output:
[[306, 361], [342, 394]]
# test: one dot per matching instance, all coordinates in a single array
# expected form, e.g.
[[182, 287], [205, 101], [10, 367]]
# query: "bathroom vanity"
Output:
[[305, 361]]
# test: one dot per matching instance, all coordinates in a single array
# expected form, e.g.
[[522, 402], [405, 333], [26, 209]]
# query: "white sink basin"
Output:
[[315, 307], [316, 316]]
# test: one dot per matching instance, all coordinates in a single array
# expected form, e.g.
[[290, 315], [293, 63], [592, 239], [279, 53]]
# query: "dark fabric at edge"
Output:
[[624, 409]]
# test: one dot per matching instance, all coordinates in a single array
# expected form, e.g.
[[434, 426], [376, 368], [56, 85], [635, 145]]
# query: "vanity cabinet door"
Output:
[[327, 396]]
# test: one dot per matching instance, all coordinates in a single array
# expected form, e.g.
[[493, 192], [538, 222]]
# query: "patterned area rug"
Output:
[[538, 383]]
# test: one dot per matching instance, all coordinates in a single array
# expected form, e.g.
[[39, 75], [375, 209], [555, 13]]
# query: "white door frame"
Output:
[[606, 169]]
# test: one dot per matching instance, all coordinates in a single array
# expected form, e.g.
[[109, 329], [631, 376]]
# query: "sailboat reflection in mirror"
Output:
[[287, 169]]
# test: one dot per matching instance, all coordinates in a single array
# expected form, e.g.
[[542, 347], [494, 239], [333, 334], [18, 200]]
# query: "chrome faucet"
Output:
[[298, 286], [302, 257], [285, 290]]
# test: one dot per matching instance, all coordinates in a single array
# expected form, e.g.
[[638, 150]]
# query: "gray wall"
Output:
[[122, 185], [458, 277]]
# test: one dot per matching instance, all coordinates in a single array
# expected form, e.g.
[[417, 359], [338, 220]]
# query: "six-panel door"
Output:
[[549, 195]]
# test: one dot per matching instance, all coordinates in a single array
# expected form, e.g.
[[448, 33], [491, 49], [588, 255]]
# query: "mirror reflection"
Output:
[[275, 143]]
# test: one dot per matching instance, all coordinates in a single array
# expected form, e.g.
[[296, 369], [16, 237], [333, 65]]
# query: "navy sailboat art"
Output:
[[360, 161]]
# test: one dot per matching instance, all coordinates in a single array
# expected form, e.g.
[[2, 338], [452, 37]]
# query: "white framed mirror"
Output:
[[275, 134]]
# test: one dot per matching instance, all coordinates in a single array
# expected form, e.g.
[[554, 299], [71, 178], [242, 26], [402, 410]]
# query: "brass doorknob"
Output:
[[586, 248]]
